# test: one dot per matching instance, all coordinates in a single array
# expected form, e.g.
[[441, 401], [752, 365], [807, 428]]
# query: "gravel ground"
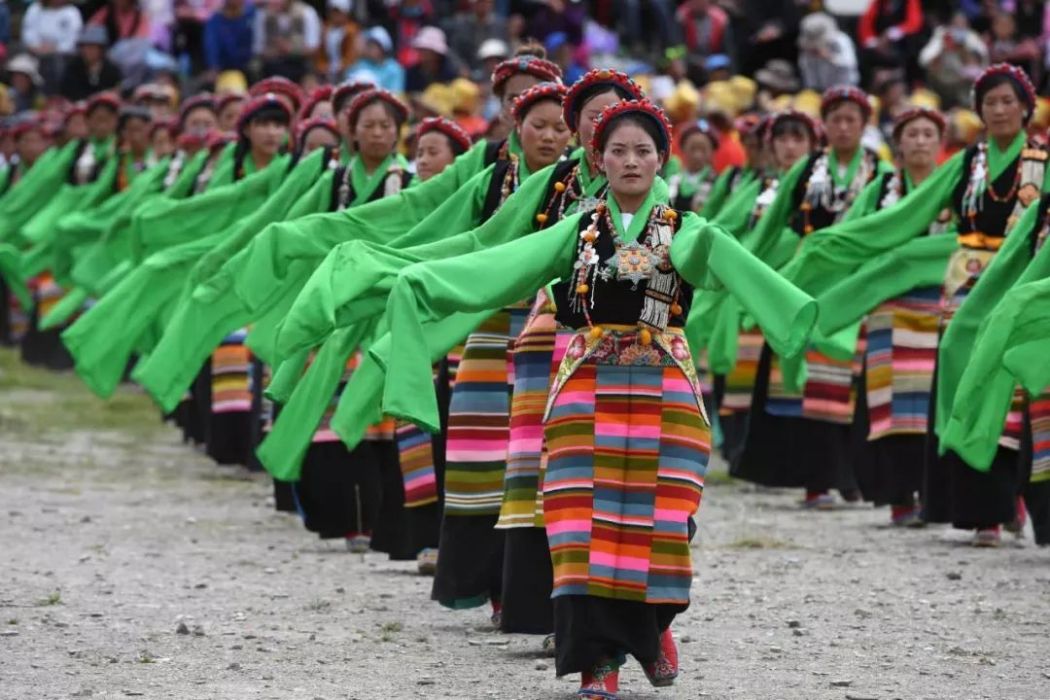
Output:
[[133, 566]]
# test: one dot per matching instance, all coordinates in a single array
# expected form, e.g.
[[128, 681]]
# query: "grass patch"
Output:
[[38, 401], [759, 542], [53, 598]]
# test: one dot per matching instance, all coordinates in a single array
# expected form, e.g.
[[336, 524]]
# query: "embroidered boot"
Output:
[[906, 516], [987, 537], [818, 500], [601, 683], [1016, 526], [662, 672]]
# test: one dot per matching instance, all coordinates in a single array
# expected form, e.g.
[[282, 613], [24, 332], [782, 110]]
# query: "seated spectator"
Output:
[[887, 32], [228, 37], [339, 46], [188, 35], [826, 54], [434, 65], [407, 19], [557, 16], [49, 31], [89, 71], [375, 65], [1006, 45], [560, 51], [286, 33], [467, 30], [122, 19], [952, 59], [705, 30], [25, 82]]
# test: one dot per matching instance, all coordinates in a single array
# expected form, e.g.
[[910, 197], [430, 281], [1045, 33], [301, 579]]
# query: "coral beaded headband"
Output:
[[595, 82], [537, 93], [454, 132], [641, 108], [910, 115]]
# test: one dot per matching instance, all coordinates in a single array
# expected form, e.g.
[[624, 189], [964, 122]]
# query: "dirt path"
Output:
[[132, 566]]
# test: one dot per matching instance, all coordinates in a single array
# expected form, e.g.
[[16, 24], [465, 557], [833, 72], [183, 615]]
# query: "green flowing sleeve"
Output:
[[182, 187], [1028, 345], [970, 361], [767, 238], [734, 215], [719, 194], [866, 202], [11, 273], [828, 256], [34, 191], [482, 281], [223, 173]]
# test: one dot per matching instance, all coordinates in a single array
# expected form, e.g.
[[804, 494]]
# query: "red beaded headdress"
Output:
[[219, 139], [363, 99], [307, 125], [345, 92], [74, 109], [543, 91], [643, 108], [189, 141], [278, 85], [749, 124], [699, 126], [460, 139], [811, 125], [102, 99], [204, 99], [318, 95], [1016, 75], [267, 102], [228, 98], [914, 113], [593, 82], [169, 125], [24, 125], [524, 65], [845, 93]]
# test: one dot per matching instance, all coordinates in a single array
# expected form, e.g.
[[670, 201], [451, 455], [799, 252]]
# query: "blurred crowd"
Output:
[[699, 58]]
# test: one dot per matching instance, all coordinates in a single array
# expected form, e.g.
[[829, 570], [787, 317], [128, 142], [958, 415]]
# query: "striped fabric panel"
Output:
[[416, 454], [18, 321], [628, 450], [479, 417], [828, 395], [900, 359], [535, 353], [740, 382], [780, 401], [231, 390], [384, 430], [1039, 414]]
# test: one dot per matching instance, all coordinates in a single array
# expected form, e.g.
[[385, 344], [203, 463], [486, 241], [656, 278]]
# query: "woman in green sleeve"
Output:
[[900, 347], [751, 129], [791, 136], [801, 438], [689, 189], [627, 438]]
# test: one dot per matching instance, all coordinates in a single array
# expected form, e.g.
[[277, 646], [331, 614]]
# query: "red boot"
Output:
[[1019, 521], [662, 672], [601, 683]]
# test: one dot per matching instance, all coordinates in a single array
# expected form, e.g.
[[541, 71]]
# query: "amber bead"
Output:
[[541, 219], [645, 337], [559, 186], [676, 310], [582, 288], [670, 214], [596, 332]]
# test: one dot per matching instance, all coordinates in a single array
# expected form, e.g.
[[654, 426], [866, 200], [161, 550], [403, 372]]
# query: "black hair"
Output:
[[792, 126], [592, 91], [531, 47], [391, 111], [690, 133], [645, 123], [270, 113], [994, 81]]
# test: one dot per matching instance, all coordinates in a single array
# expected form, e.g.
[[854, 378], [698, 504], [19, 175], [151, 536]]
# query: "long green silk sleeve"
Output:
[[182, 187], [1029, 343], [34, 191], [11, 272], [720, 193], [830, 255], [482, 281], [972, 358], [767, 239], [734, 215]]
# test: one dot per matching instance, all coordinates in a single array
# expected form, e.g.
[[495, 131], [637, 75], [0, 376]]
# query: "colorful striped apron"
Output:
[[740, 382], [628, 445], [231, 390]]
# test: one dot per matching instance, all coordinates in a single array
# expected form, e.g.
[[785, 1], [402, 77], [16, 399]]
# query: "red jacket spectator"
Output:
[[704, 27], [893, 18]]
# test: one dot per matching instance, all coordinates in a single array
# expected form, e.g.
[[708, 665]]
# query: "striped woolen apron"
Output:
[[740, 382], [900, 356], [628, 448], [1039, 415], [537, 354], [231, 385], [479, 417]]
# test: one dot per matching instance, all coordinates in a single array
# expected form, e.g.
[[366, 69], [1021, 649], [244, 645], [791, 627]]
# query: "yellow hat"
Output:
[[967, 124], [719, 97], [231, 82], [925, 98], [439, 99], [808, 102], [7, 105], [682, 103], [1041, 116], [465, 95], [744, 90]]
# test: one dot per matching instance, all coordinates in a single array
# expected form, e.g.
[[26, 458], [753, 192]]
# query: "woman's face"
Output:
[[31, 145], [200, 120], [267, 135], [698, 152], [375, 132], [918, 143], [76, 127], [228, 115], [135, 135], [102, 123], [433, 154], [590, 111], [630, 160], [844, 125], [321, 110], [162, 143], [1002, 111], [319, 138], [514, 86], [789, 147], [544, 134]]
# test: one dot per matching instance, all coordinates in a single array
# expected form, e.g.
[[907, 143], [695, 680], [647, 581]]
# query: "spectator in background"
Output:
[[408, 18], [1006, 45], [952, 59], [887, 33], [228, 37], [287, 32], [560, 51], [763, 31], [490, 54], [122, 19], [89, 71], [640, 35], [25, 81], [49, 31], [5, 24], [339, 45], [826, 54], [188, 35], [376, 64], [433, 65], [557, 16], [467, 30], [705, 30]]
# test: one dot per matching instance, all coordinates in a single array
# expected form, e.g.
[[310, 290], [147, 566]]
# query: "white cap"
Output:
[[493, 48]]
